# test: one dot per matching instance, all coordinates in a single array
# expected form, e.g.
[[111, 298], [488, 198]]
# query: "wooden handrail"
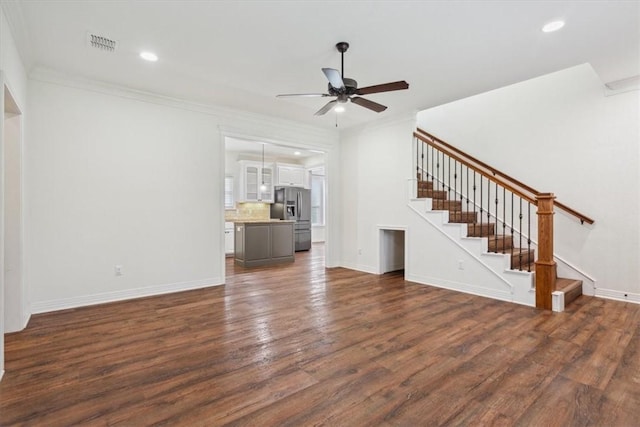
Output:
[[506, 185], [582, 218], [480, 163], [421, 134]]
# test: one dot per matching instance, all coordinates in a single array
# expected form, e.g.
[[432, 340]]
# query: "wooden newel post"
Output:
[[545, 265]]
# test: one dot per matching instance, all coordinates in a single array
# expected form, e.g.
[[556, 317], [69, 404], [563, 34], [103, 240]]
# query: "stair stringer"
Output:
[[488, 273]]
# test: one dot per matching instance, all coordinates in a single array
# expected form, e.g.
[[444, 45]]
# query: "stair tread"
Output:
[[564, 285], [518, 251], [572, 289], [529, 267]]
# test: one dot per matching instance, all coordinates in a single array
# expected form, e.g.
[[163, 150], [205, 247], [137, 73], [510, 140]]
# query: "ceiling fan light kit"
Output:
[[345, 89]]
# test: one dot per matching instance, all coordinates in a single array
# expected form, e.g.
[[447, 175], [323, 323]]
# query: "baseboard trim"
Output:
[[463, 287], [102, 298], [360, 267], [618, 295]]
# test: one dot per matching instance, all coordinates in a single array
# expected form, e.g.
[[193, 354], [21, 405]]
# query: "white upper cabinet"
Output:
[[252, 176], [290, 175]]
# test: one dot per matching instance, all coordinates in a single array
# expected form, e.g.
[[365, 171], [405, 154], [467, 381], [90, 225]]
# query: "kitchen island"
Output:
[[264, 242]]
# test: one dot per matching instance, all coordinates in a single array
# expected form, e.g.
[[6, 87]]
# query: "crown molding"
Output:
[[18, 27], [230, 121]]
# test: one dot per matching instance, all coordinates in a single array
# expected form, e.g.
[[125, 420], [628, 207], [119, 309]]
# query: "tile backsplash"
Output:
[[248, 211]]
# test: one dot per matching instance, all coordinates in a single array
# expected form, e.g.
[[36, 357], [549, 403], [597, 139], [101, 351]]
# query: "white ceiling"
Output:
[[240, 54]]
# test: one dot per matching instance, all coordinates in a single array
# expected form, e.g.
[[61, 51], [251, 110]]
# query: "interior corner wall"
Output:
[[17, 307], [560, 133], [375, 164], [14, 77]]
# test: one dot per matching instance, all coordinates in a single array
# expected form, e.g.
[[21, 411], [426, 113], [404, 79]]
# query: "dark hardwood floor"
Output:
[[301, 345]]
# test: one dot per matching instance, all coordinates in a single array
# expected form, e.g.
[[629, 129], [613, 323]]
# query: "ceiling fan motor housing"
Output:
[[350, 87], [342, 47]]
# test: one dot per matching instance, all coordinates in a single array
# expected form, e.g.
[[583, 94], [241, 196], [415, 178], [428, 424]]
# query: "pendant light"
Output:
[[263, 187]]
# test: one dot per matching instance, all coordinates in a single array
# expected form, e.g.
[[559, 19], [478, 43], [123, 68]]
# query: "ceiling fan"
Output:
[[345, 89]]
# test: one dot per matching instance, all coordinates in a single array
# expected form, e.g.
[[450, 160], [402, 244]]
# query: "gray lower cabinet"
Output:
[[264, 243]]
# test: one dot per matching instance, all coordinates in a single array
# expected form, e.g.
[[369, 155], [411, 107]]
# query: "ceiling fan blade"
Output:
[[328, 106], [334, 77], [386, 87], [368, 104], [307, 95]]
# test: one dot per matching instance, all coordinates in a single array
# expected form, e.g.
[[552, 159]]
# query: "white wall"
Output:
[[111, 181], [14, 78], [559, 133], [16, 296], [376, 163], [317, 233]]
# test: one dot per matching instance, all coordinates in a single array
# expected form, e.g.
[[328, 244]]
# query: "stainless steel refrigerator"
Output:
[[294, 203]]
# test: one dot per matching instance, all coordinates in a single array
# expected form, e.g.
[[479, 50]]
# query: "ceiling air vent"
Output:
[[101, 42]]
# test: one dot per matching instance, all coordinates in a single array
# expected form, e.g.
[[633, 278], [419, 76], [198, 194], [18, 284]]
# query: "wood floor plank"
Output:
[[300, 344], [596, 361], [620, 405], [564, 403]]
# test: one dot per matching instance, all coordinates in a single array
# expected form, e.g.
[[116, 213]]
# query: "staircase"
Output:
[[522, 259], [434, 181]]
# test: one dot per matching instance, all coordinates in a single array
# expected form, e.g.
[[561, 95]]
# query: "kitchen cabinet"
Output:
[[228, 238], [290, 175], [263, 243], [252, 175]]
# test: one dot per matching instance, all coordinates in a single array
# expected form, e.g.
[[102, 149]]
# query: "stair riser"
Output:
[[477, 230], [432, 194], [425, 185], [517, 261], [501, 244], [446, 205], [462, 217], [571, 288], [572, 295], [530, 268]]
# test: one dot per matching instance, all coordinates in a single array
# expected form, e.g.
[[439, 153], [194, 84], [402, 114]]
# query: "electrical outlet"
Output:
[[118, 270], [460, 264]]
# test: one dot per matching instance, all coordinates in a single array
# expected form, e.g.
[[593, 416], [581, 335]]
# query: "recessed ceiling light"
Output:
[[149, 56], [296, 153], [553, 26], [339, 109]]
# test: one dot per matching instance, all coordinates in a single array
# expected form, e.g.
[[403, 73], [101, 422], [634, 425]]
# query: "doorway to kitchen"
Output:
[[256, 172]]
